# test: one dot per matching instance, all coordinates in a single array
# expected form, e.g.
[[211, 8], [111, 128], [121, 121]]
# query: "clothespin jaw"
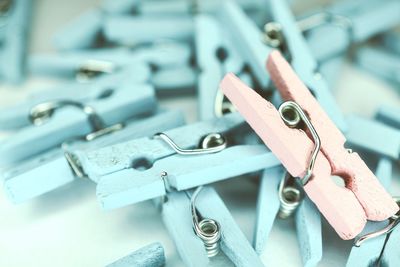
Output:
[[369, 252], [363, 198], [149, 256]]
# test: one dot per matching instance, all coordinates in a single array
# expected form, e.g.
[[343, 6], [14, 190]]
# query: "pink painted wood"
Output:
[[345, 208]]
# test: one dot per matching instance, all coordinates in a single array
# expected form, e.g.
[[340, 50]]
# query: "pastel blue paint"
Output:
[[373, 136], [149, 256], [389, 115], [50, 170], [80, 33], [14, 39]]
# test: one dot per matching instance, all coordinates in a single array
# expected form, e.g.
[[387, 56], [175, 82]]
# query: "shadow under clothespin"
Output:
[[15, 19]]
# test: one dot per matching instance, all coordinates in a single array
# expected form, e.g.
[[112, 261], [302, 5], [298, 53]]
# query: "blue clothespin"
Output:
[[277, 199], [81, 33], [17, 116], [369, 252], [373, 136], [59, 166], [55, 122], [179, 213], [157, 163], [380, 62], [216, 56], [112, 7], [15, 19], [331, 31], [132, 30], [149, 256], [390, 115], [290, 40], [174, 7], [170, 61]]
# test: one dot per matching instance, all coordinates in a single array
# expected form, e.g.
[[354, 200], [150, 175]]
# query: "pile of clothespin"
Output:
[[264, 81]]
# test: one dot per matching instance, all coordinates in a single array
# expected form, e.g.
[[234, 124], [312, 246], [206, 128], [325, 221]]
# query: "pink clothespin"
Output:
[[315, 153]]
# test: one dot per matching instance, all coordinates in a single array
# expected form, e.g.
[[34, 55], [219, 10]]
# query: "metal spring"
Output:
[[394, 221], [289, 198], [292, 114], [208, 230]]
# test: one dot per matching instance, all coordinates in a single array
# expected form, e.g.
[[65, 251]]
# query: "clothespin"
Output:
[[145, 168], [112, 7], [17, 116], [149, 256], [131, 30], [346, 209], [222, 232], [374, 136], [14, 23], [369, 253], [384, 64], [216, 56], [276, 199], [389, 115], [331, 31], [284, 33], [55, 122], [59, 166], [81, 33], [169, 61], [173, 7]]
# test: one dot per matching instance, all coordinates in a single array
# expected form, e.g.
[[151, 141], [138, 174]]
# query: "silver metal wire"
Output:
[[93, 68], [41, 113], [212, 143], [394, 221], [273, 35], [208, 230], [322, 18], [289, 197], [292, 114], [222, 107]]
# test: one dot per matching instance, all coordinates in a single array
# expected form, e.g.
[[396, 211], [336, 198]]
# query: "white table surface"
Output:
[[67, 228]]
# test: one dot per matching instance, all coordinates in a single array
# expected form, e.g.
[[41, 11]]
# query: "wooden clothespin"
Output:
[[276, 199], [58, 166], [226, 243], [314, 154]]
